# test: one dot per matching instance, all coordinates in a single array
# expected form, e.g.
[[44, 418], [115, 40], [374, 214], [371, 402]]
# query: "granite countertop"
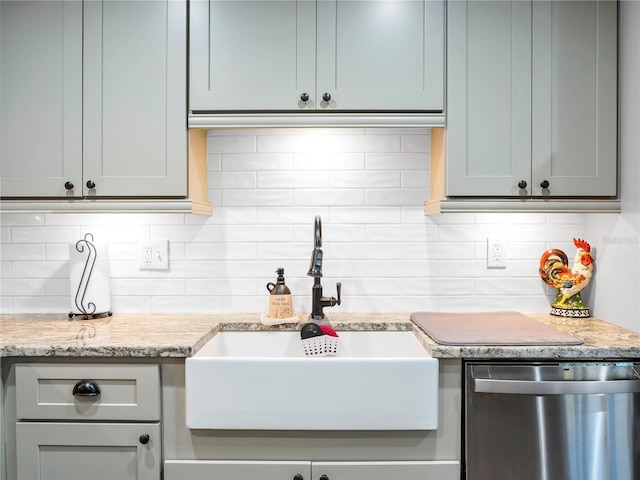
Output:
[[181, 335]]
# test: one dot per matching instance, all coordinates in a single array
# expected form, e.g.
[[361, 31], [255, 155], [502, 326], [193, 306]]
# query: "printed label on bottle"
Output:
[[280, 306]]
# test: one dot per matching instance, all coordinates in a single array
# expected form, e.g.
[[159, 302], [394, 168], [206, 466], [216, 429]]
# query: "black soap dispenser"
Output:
[[280, 300]]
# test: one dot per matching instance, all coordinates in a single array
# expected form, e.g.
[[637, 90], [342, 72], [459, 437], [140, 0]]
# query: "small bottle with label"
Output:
[[280, 300]]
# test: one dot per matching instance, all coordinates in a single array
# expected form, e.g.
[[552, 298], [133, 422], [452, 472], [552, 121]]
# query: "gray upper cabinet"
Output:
[[532, 99], [331, 55], [93, 99], [40, 98]]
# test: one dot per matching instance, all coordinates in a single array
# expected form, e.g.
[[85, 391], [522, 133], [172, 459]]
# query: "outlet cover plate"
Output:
[[496, 253], [154, 255]]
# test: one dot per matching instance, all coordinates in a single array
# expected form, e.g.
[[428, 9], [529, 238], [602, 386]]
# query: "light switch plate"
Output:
[[154, 255]]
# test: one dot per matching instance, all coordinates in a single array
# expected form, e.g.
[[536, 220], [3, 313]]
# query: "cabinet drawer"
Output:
[[127, 392]]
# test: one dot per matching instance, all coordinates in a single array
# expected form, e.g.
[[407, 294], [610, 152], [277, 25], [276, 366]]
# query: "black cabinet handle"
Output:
[[304, 97], [298, 476], [522, 184], [68, 185], [326, 96], [324, 477], [544, 184], [86, 388], [91, 184], [144, 438]]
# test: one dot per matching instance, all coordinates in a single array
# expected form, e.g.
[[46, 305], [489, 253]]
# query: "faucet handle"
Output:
[[338, 291]]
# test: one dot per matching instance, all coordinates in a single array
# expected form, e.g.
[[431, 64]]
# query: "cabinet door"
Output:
[[488, 97], [235, 470], [252, 54], [40, 98], [135, 98], [381, 55], [574, 98], [441, 470], [87, 451]]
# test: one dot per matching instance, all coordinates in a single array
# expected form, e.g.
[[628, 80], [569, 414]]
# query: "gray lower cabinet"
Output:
[[93, 99], [532, 99], [88, 451], [299, 55], [87, 421], [275, 470]]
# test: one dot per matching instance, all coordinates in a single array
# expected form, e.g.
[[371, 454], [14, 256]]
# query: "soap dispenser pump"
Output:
[[280, 300]]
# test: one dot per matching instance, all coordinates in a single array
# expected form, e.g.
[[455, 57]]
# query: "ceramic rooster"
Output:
[[554, 270]]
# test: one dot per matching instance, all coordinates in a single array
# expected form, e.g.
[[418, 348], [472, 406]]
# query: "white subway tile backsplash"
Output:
[[45, 234], [474, 303], [245, 198], [58, 286], [41, 304], [23, 287], [218, 180], [395, 196], [186, 304], [46, 269], [257, 162], [397, 161], [390, 215], [29, 251], [333, 162], [267, 185], [416, 143], [329, 197], [416, 179], [293, 179], [231, 144], [13, 219]]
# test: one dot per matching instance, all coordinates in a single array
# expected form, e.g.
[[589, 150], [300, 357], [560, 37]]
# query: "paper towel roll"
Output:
[[89, 278]]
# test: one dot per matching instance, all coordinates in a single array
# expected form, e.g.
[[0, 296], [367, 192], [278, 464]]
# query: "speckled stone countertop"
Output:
[[181, 335]]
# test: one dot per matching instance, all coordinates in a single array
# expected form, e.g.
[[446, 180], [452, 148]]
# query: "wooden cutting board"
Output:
[[490, 328]]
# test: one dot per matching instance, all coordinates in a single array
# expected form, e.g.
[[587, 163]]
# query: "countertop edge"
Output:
[[182, 335]]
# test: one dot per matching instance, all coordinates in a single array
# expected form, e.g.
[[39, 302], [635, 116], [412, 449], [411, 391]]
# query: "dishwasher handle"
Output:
[[555, 387]]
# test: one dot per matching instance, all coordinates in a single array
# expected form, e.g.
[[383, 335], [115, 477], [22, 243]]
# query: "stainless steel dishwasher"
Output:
[[556, 421]]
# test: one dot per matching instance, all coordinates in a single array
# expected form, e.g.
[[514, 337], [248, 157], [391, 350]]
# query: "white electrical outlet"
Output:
[[496, 253], [154, 255]]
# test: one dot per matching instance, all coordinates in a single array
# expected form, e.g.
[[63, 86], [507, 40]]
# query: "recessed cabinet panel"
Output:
[[380, 55], [93, 99], [126, 392], [251, 470], [40, 98], [532, 99], [235, 470], [574, 98], [326, 55], [252, 55], [489, 97], [134, 102], [89, 451]]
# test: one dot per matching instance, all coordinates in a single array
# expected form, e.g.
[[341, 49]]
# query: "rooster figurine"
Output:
[[554, 270]]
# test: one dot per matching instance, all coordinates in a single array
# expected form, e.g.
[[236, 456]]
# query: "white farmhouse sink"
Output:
[[379, 380]]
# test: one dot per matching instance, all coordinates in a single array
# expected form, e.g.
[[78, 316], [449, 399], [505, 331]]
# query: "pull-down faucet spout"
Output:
[[315, 271]]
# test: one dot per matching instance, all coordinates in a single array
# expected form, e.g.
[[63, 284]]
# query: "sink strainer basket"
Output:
[[320, 346], [319, 340]]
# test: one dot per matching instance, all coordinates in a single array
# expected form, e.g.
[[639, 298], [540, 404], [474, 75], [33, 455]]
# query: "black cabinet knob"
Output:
[[298, 476], [324, 477], [144, 438], [68, 185], [304, 97], [326, 96], [91, 184], [522, 184], [544, 184], [86, 388]]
